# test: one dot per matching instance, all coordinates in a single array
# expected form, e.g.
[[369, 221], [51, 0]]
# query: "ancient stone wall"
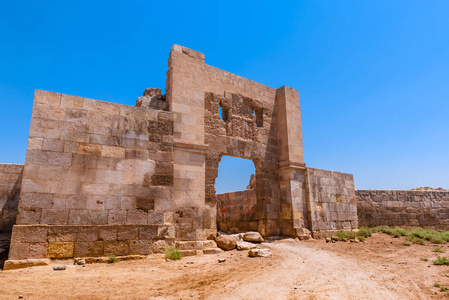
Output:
[[331, 202], [103, 178], [235, 211], [428, 209], [98, 179], [328, 198], [10, 183]]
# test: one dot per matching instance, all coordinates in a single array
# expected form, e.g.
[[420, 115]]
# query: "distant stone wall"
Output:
[[332, 202], [236, 211], [428, 209], [92, 163], [329, 198], [10, 182]]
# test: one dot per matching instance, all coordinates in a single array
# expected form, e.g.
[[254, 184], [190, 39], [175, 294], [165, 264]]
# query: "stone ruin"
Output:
[[102, 178]]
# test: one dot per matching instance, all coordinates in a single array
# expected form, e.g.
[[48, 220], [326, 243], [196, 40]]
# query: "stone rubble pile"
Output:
[[243, 241]]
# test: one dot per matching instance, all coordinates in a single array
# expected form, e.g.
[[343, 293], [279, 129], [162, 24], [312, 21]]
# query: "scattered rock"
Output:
[[226, 242], [221, 260], [20, 297], [252, 236], [328, 240], [334, 238], [237, 236], [59, 268], [79, 261], [260, 253], [241, 245]]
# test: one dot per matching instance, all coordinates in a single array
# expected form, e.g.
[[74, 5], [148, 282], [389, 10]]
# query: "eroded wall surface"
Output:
[[10, 183], [98, 179], [236, 211], [428, 209]]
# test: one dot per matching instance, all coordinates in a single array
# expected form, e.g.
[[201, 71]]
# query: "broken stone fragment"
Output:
[[79, 261], [259, 253], [252, 236], [241, 245], [59, 268], [153, 98], [226, 242], [221, 260], [211, 251]]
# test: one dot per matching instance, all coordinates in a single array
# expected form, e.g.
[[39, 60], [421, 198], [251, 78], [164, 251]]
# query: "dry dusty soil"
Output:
[[381, 268]]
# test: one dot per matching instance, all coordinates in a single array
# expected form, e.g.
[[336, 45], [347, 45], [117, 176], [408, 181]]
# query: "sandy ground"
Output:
[[382, 268]]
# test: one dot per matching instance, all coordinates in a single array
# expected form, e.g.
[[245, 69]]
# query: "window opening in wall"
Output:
[[223, 112], [259, 120], [234, 174]]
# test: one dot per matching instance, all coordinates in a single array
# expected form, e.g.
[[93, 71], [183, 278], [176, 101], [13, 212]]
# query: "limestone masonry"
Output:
[[102, 178], [428, 209]]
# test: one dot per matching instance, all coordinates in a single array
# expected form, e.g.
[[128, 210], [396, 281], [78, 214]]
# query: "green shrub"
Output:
[[173, 253], [112, 259], [424, 259], [345, 235], [442, 287], [418, 241], [406, 243], [416, 235], [364, 232], [378, 229], [437, 239], [441, 261], [439, 250], [361, 235]]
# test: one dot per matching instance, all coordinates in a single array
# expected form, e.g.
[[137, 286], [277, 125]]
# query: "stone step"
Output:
[[212, 251], [195, 245]]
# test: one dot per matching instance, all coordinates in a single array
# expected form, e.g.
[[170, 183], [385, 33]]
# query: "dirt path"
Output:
[[381, 269]]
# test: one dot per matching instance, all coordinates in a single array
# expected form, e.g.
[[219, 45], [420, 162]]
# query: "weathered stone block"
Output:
[[126, 233], [148, 232], [142, 247], [62, 233], [87, 234], [61, 249], [29, 233], [19, 250], [38, 250], [115, 248]]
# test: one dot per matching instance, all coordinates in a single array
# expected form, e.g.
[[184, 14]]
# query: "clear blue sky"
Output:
[[373, 76]]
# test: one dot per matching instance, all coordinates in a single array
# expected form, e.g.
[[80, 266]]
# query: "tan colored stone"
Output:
[[25, 263], [61, 250], [109, 151], [89, 149]]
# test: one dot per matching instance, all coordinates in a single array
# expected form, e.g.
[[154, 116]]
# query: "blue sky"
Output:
[[373, 76]]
